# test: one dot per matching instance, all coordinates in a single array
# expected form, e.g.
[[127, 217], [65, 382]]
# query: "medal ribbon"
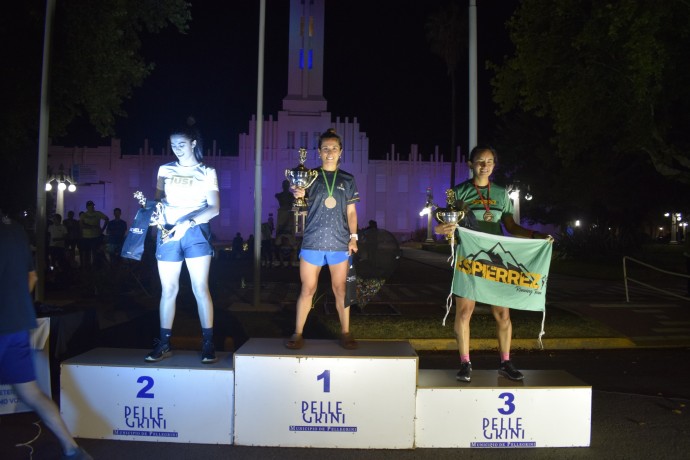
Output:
[[488, 192], [332, 187]]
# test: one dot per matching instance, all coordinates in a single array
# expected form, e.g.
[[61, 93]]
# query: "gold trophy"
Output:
[[301, 177], [157, 218], [449, 214]]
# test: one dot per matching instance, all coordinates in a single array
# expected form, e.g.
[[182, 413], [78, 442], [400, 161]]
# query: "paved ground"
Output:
[[640, 393]]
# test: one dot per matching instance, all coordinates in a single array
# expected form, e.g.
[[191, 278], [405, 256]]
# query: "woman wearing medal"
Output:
[[330, 237], [490, 205]]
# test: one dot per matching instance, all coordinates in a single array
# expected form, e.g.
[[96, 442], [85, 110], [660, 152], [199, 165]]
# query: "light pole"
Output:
[[427, 211], [675, 219], [64, 182]]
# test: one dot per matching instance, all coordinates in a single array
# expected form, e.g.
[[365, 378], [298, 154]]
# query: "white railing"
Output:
[[626, 278]]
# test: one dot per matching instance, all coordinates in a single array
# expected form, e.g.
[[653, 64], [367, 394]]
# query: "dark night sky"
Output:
[[379, 68]]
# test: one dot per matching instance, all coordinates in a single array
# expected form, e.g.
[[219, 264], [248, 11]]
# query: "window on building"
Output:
[[380, 182], [402, 220], [304, 139], [380, 219], [225, 179], [291, 139], [134, 178], [402, 183]]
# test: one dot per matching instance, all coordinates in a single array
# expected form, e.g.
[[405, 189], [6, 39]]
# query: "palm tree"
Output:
[[446, 31]]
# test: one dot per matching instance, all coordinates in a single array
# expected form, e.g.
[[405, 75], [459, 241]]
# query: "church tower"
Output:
[[305, 58]]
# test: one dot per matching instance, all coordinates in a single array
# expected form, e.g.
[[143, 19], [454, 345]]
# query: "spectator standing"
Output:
[[91, 233], [56, 244], [72, 238], [115, 231]]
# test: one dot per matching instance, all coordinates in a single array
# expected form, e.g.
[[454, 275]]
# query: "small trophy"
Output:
[[301, 177], [157, 218], [449, 214]]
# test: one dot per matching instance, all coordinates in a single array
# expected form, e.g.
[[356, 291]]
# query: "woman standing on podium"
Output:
[[330, 237], [490, 205], [188, 190]]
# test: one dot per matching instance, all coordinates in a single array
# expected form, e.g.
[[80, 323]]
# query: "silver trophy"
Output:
[[450, 214], [301, 177], [157, 218]]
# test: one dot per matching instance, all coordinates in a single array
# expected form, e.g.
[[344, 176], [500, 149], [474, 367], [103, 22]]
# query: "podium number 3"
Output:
[[326, 377], [148, 384], [509, 399]]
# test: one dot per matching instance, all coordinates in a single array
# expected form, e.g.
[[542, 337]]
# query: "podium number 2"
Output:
[[326, 377], [148, 384], [509, 399]]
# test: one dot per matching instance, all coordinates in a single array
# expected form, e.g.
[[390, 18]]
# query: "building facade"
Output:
[[393, 191]]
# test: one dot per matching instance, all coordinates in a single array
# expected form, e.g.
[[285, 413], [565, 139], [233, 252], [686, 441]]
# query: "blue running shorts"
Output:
[[321, 258], [196, 242], [16, 358]]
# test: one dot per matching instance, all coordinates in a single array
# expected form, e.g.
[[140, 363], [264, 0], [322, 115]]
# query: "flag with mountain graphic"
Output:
[[503, 271]]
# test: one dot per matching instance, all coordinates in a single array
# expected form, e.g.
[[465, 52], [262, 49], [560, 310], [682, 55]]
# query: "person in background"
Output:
[[56, 245], [17, 317], [188, 191], [286, 250], [267, 243], [491, 206], [72, 238], [91, 233], [237, 246], [115, 232], [330, 237]]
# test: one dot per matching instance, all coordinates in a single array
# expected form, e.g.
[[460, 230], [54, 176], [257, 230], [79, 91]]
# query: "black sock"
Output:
[[207, 334], [165, 335]]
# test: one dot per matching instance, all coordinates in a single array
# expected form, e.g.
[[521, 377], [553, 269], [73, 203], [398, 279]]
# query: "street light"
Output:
[[514, 194], [427, 211], [64, 182], [675, 220]]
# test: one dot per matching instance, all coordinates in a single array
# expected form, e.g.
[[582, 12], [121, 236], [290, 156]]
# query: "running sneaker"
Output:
[[78, 454], [507, 370], [295, 342], [208, 353], [348, 342], [465, 372], [161, 350]]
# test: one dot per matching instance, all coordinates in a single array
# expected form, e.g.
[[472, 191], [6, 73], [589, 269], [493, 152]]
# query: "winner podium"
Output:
[[324, 395], [375, 397]]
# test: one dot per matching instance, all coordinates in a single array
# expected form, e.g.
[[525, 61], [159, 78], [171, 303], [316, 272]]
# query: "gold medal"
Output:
[[488, 217], [330, 201]]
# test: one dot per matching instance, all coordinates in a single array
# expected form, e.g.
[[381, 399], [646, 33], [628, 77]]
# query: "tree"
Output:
[[610, 76], [447, 34], [96, 62]]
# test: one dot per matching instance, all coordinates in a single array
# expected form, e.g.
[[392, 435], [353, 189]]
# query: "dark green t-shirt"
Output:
[[498, 201]]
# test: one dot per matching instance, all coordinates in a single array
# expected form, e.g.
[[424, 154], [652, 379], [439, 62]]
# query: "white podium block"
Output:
[[110, 393], [324, 395], [546, 409]]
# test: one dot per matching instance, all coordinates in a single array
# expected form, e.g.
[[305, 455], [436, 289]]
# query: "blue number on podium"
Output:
[[326, 376], [143, 393], [510, 405]]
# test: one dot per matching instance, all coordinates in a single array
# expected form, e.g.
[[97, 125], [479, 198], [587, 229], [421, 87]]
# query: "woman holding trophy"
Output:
[[330, 236], [189, 198], [490, 205]]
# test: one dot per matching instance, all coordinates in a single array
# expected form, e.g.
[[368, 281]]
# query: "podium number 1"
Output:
[[326, 377]]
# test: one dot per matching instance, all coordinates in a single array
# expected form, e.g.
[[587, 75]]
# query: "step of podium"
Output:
[[320, 396], [112, 393], [324, 395], [546, 409]]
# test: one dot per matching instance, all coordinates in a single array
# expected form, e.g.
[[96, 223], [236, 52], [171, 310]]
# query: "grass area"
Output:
[[526, 325]]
